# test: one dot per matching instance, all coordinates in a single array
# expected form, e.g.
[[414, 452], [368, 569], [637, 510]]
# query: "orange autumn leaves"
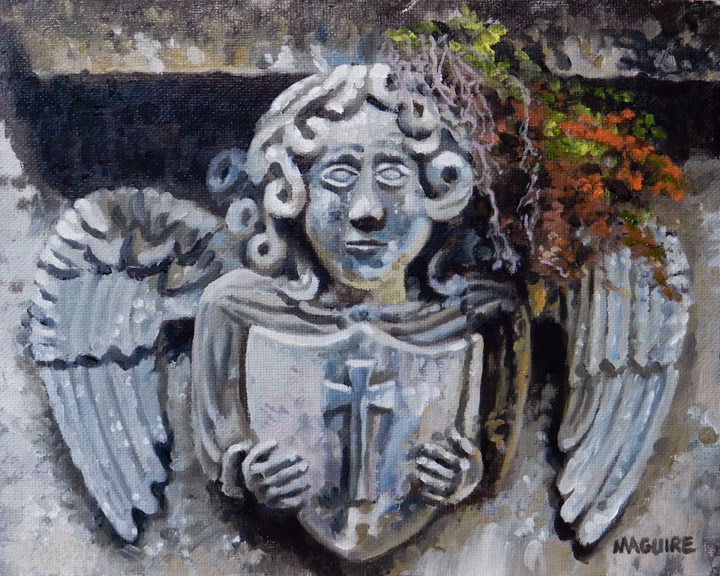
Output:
[[598, 179], [593, 184], [633, 154]]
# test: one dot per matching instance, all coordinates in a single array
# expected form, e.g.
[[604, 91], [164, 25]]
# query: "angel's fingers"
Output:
[[287, 491], [437, 452], [434, 485], [434, 498], [288, 503], [463, 445], [260, 451], [273, 465], [285, 475], [433, 467]]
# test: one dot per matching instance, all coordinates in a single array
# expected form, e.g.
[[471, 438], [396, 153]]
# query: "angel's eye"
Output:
[[392, 174], [339, 175]]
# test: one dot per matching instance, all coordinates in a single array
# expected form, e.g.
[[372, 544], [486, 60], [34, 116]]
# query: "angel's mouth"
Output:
[[364, 247]]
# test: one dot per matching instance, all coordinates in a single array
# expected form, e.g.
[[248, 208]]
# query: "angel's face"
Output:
[[366, 217]]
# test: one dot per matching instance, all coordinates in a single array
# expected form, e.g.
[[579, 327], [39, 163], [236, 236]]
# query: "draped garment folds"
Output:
[[231, 306]]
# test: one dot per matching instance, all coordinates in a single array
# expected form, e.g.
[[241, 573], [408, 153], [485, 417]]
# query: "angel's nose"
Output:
[[368, 224], [366, 210]]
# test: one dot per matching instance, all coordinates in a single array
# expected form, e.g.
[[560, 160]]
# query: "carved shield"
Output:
[[356, 405]]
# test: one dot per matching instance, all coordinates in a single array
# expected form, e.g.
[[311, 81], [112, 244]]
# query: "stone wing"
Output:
[[625, 338], [118, 265]]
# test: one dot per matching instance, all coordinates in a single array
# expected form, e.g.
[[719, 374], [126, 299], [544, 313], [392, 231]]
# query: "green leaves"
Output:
[[635, 218], [468, 20], [403, 36], [410, 37], [551, 128], [470, 33], [565, 146], [467, 34], [619, 96], [644, 127], [456, 46], [426, 27]]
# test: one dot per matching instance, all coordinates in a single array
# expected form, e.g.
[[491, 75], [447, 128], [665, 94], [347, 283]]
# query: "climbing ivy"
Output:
[[592, 161]]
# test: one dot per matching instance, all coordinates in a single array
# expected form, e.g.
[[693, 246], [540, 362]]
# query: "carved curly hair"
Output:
[[285, 146]]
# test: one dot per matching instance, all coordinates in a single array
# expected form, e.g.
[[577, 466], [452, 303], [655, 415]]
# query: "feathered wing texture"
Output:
[[625, 337], [118, 265]]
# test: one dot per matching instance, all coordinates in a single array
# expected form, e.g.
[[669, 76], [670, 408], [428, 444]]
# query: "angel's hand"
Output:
[[275, 477], [448, 471]]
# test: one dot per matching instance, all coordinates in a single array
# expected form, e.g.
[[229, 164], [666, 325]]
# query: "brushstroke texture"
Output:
[[625, 338]]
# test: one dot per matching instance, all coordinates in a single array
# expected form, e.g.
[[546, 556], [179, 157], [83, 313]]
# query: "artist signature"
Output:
[[671, 545]]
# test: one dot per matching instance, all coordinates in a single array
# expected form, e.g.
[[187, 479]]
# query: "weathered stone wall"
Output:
[[674, 40]]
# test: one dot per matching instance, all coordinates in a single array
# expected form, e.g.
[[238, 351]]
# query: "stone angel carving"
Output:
[[358, 360]]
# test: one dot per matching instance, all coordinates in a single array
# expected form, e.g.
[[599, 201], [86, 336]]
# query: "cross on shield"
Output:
[[356, 405], [359, 398]]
